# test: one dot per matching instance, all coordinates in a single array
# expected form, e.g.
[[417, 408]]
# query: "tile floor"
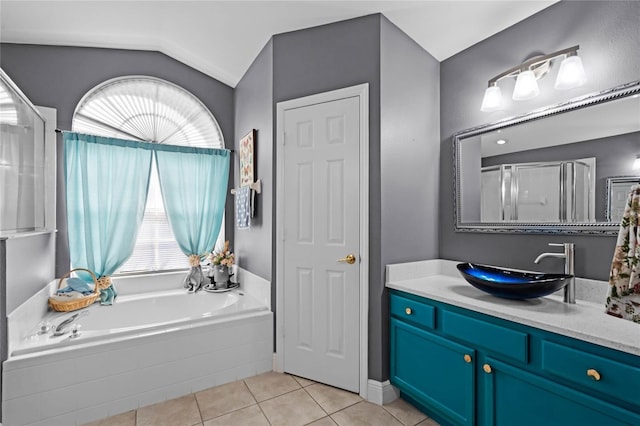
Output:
[[271, 399]]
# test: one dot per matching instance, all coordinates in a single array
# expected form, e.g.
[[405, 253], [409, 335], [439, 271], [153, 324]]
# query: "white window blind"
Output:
[[153, 110]]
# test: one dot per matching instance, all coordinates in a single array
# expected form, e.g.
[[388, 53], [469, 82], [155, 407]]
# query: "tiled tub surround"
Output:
[[439, 280], [131, 366]]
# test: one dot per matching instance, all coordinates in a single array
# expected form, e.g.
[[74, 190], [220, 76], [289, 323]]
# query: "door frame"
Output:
[[361, 91]]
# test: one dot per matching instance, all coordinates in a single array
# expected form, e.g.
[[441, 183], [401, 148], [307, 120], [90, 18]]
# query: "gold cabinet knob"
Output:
[[408, 311], [487, 368], [467, 358], [593, 374], [350, 259]]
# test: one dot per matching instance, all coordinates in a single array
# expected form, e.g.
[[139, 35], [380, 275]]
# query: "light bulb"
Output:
[[526, 86], [571, 73], [636, 163], [492, 100]]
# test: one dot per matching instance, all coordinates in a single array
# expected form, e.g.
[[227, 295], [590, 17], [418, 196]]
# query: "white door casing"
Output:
[[322, 215]]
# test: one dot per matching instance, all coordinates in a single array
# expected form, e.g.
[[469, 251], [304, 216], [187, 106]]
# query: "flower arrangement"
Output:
[[224, 257]]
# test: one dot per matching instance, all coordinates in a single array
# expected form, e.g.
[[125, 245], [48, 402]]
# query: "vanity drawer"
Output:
[[495, 338], [604, 375], [412, 311]]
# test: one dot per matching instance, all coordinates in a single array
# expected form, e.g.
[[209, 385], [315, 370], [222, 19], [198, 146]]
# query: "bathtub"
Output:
[[155, 343]]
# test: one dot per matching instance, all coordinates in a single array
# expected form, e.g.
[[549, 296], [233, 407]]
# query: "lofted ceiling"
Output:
[[221, 38]]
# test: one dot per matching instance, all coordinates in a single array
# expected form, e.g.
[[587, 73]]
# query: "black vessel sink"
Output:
[[512, 284]]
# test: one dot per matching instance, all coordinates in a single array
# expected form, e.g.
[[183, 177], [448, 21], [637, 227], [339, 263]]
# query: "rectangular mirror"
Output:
[[617, 194], [549, 170]]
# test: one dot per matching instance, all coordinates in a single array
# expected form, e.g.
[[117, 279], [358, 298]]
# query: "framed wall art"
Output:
[[247, 158]]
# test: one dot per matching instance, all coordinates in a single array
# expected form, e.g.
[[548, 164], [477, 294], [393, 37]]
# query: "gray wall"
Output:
[[403, 113], [253, 110], [330, 57], [608, 35], [409, 166], [58, 77], [470, 165]]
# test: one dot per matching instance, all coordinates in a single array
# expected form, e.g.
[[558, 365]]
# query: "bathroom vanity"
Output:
[[469, 358]]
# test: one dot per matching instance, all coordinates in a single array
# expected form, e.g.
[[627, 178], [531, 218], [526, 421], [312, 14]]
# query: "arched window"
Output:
[[154, 110]]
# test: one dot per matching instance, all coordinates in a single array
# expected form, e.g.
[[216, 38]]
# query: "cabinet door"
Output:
[[515, 397], [434, 371]]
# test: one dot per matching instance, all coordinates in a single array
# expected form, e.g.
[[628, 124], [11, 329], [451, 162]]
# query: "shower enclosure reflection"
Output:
[[539, 192]]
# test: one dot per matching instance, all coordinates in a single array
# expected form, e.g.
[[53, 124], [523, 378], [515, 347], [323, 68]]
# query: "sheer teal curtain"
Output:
[[194, 186], [106, 190]]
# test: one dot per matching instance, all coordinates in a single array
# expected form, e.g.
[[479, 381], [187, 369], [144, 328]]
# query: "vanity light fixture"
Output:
[[570, 75]]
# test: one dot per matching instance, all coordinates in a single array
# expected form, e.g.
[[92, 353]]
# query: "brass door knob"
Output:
[[408, 311], [593, 374], [467, 358], [350, 259], [487, 368]]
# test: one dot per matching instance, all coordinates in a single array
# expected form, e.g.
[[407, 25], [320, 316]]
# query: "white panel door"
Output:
[[321, 225]]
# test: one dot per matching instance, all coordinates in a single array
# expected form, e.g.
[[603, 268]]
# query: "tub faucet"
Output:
[[60, 329], [568, 256]]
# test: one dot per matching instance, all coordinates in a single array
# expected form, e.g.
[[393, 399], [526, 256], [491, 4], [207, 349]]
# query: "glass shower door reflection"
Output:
[[537, 191]]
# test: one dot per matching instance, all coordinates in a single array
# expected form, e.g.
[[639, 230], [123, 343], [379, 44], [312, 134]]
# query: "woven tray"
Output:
[[79, 303]]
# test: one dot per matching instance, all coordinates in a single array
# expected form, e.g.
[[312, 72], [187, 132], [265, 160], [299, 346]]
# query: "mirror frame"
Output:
[[593, 228]]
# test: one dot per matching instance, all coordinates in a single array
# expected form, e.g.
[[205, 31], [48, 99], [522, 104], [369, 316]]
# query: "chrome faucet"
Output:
[[568, 256], [60, 329]]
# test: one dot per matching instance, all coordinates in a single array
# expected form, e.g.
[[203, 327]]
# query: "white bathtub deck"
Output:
[[94, 381]]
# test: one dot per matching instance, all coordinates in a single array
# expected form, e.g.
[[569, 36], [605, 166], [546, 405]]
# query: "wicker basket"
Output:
[[79, 303]]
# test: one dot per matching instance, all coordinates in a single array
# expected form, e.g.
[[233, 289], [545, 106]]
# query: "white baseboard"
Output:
[[275, 364], [381, 392]]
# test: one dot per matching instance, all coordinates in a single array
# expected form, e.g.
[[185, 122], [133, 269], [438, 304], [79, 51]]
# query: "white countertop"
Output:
[[586, 320]]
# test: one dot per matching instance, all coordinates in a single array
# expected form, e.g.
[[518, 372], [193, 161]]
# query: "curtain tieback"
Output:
[[104, 282], [194, 260]]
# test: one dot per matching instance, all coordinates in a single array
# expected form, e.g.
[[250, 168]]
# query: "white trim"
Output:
[[51, 122], [382, 392], [361, 91]]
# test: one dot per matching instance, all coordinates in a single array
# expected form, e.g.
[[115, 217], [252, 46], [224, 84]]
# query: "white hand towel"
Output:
[[243, 207]]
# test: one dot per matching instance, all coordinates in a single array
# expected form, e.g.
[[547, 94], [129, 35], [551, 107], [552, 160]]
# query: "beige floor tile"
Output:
[[271, 384], [249, 416], [224, 399], [124, 419], [303, 382], [292, 409], [429, 422], [364, 414], [332, 399], [325, 421], [405, 412], [175, 412]]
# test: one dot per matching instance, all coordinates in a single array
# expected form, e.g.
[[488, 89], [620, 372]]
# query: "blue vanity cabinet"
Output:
[[466, 368], [435, 371], [430, 369], [512, 396]]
